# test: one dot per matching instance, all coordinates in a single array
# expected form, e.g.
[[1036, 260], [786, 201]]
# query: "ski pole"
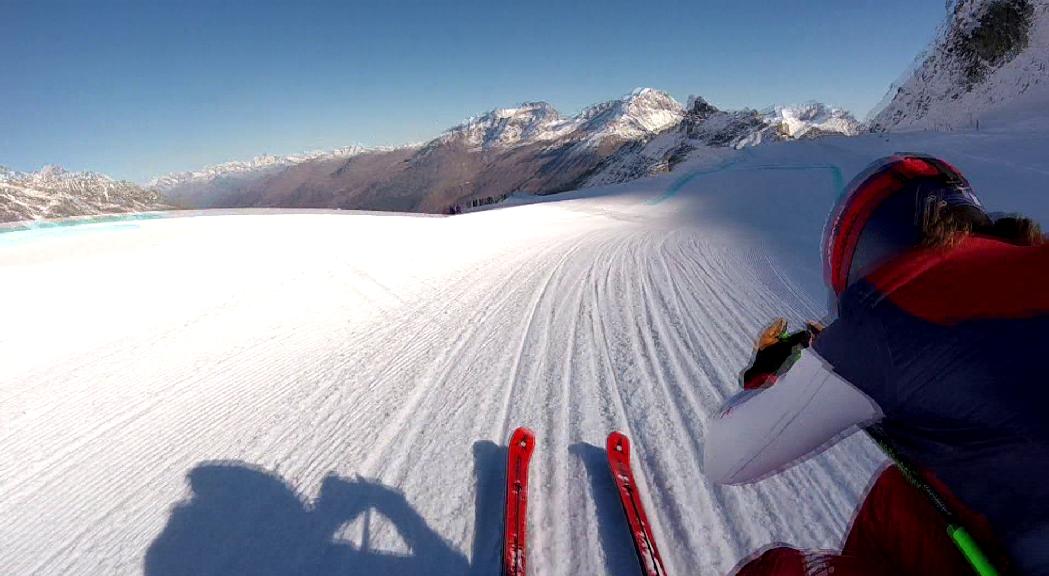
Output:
[[958, 534]]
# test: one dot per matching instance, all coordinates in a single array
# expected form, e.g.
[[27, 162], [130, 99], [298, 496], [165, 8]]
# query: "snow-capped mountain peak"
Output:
[[640, 114], [812, 118], [54, 191], [51, 172], [54, 175], [506, 127], [643, 112], [702, 125]]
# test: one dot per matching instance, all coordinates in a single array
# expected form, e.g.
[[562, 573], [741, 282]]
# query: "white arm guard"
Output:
[[764, 431]]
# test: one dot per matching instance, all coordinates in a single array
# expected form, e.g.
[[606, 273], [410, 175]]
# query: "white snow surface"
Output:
[[325, 393]]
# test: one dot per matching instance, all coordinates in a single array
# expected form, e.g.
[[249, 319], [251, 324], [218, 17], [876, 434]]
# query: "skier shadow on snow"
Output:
[[612, 530], [242, 519], [245, 520], [490, 480]]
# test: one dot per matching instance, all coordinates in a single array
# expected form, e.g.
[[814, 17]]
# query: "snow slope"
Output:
[[325, 393]]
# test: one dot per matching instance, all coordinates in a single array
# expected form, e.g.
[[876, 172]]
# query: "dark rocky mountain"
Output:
[[987, 56]]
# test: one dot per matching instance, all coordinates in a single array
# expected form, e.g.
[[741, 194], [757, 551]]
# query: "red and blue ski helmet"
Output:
[[883, 211]]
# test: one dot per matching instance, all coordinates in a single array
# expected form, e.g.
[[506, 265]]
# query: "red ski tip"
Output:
[[618, 442], [618, 448], [515, 513], [523, 439]]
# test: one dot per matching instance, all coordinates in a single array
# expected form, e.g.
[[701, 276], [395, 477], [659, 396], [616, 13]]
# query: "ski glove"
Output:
[[775, 351]]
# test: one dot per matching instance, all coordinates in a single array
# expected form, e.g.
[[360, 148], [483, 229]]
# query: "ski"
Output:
[[515, 516], [618, 447]]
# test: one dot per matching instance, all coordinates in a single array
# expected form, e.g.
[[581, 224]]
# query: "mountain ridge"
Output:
[[529, 148], [54, 192]]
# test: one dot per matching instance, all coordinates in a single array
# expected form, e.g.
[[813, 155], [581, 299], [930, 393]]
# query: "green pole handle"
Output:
[[959, 535], [971, 550]]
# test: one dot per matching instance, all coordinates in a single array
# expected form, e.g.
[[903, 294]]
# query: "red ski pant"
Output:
[[897, 531]]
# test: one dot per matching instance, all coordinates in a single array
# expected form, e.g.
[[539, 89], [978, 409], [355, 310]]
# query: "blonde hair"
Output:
[[946, 226]]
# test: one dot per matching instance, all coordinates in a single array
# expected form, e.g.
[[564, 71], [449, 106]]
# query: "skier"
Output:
[[940, 339]]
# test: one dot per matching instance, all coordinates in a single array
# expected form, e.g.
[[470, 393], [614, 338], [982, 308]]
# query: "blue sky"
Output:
[[138, 89]]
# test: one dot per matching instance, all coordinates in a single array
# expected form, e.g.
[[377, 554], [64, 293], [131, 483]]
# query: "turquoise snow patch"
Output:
[[37, 230]]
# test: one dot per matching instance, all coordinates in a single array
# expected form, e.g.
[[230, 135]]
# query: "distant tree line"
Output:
[[475, 202]]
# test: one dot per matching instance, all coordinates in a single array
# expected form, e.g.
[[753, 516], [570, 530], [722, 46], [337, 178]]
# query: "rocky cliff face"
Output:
[[988, 55], [705, 126]]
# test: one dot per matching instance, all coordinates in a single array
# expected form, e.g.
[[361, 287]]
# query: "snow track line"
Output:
[[601, 335], [681, 415], [647, 337], [476, 323], [515, 369], [550, 540]]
